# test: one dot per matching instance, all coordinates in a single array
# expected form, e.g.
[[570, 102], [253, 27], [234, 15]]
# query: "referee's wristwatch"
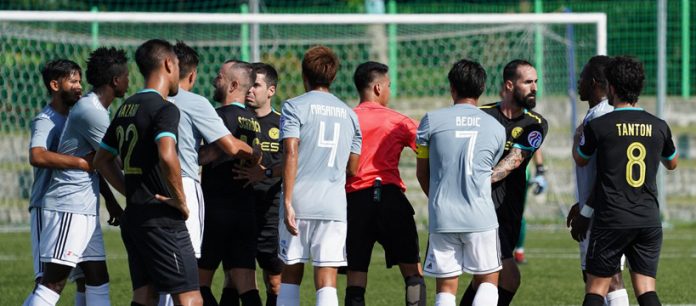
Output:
[[268, 172]]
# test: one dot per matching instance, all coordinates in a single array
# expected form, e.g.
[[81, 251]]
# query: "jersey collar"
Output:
[[238, 104], [148, 90], [628, 109]]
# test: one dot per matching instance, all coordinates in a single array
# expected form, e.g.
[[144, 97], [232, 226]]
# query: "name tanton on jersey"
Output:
[[634, 129]]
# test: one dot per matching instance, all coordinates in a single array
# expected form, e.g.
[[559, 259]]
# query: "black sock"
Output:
[[592, 299], [271, 298], [468, 297], [250, 298], [415, 291], [649, 299], [136, 304], [230, 297], [208, 297], [504, 297], [355, 296]]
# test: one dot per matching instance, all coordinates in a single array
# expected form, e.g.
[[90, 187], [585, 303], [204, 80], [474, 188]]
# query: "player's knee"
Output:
[[616, 282]]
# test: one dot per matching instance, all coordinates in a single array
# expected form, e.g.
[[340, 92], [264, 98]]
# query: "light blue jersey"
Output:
[[329, 132], [46, 129], [199, 121], [464, 145], [585, 176], [72, 190]]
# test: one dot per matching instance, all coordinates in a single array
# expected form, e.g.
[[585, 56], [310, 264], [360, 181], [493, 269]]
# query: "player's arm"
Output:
[[423, 154], [43, 158], [353, 163], [171, 169], [584, 145], [236, 148], [670, 164], [106, 162], [508, 164], [670, 156], [290, 156], [111, 204], [423, 173]]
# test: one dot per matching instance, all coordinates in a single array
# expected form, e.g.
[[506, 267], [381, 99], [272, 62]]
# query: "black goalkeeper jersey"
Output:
[[526, 132], [629, 143], [217, 179], [140, 122], [269, 142]]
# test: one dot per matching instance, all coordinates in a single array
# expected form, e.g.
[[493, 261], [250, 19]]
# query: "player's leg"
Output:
[[327, 243], [444, 262], [617, 296], [94, 268], [80, 298], [519, 246], [239, 258], [643, 256], [603, 261], [271, 279], [294, 251], [481, 257], [360, 239], [35, 225], [213, 247], [267, 243], [399, 237]]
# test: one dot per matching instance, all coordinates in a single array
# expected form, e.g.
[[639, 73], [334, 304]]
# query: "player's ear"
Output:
[[508, 85], [271, 91], [377, 89], [193, 75], [54, 85], [233, 85]]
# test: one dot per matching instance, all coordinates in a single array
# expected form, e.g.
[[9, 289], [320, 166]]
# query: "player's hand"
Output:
[[579, 226], [89, 158], [540, 182], [256, 155], [290, 221], [572, 213], [253, 174], [179, 204], [115, 212]]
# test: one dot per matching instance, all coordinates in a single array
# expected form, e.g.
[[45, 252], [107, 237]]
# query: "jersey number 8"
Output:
[[634, 160]]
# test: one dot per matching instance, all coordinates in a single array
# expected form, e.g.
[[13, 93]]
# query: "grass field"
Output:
[[551, 277]]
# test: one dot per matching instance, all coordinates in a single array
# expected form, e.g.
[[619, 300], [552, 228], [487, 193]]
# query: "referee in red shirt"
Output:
[[378, 210]]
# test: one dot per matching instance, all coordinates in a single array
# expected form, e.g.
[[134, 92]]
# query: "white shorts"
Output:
[[583, 251], [322, 240], [450, 254], [36, 225], [196, 206], [70, 238]]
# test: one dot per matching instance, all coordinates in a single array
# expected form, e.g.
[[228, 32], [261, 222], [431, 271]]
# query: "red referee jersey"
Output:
[[385, 133]]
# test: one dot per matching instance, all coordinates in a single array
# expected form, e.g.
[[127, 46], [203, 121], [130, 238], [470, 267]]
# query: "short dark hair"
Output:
[[367, 72], [595, 69], [150, 54], [188, 58], [104, 64], [246, 73], [626, 75], [468, 78], [57, 70], [270, 74], [510, 70], [319, 66]]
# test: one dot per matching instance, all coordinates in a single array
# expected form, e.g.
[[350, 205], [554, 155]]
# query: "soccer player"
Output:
[[144, 134], [629, 144], [378, 210], [539, 185], [457, 149], [321, 145], [525, 131], [198, 121], [72, 234], [230, 232], [266, 177], [592, 87]]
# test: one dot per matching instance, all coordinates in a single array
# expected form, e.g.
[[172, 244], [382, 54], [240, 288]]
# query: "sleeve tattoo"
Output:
[[509, 163]]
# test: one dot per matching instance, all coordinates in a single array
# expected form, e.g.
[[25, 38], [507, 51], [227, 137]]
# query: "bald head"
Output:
[[233, 81]]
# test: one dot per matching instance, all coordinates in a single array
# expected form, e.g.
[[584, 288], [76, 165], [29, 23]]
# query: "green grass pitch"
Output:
[[551, 277]]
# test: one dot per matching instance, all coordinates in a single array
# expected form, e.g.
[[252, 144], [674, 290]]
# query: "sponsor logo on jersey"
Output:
[[516, 132], [274, 133], [535, 139]]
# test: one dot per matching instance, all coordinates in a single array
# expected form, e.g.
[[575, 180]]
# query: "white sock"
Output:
[[486, 294], [327, 296], [97, 295], [617, 298], [80, 299], [165, 300], [445, 299], [44, 297], [289, 295]]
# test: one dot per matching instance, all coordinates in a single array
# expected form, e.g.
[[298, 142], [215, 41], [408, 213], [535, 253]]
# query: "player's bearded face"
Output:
[[220, 91], [524, 97], [70, 89]]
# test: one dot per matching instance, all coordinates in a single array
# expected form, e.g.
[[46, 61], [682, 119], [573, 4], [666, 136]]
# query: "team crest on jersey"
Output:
[[535, 139], [582, 139], [516, 132], [274, 133]]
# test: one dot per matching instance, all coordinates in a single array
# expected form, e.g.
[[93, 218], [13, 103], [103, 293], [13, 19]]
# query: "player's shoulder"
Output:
[[535, 117], [47, 113]]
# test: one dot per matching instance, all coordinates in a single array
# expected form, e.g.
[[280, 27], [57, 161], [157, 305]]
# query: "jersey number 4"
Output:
[[331, 143], [131, 136], [471, 135], [635, 160]]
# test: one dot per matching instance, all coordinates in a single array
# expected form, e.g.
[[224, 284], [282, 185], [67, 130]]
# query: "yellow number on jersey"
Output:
[[123, 136], [635, 160]]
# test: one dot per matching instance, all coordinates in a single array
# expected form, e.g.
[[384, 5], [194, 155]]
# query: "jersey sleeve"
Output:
[[109, 142], [409, 129], [207, 122], [669, 151], [531, 139], [356, 144], [166, 122], [94, 125], [500, 141], [423, 138], [588, 142], [290, 121], [40, 130]]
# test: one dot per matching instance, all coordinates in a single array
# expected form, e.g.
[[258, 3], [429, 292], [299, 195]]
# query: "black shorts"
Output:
[[389, 222], [160, 256], [640, 245], [229, 237], [267, 209], [508, 232]]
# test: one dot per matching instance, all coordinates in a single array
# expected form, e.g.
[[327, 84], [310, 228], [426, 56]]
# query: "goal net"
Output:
[[419, 50]]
